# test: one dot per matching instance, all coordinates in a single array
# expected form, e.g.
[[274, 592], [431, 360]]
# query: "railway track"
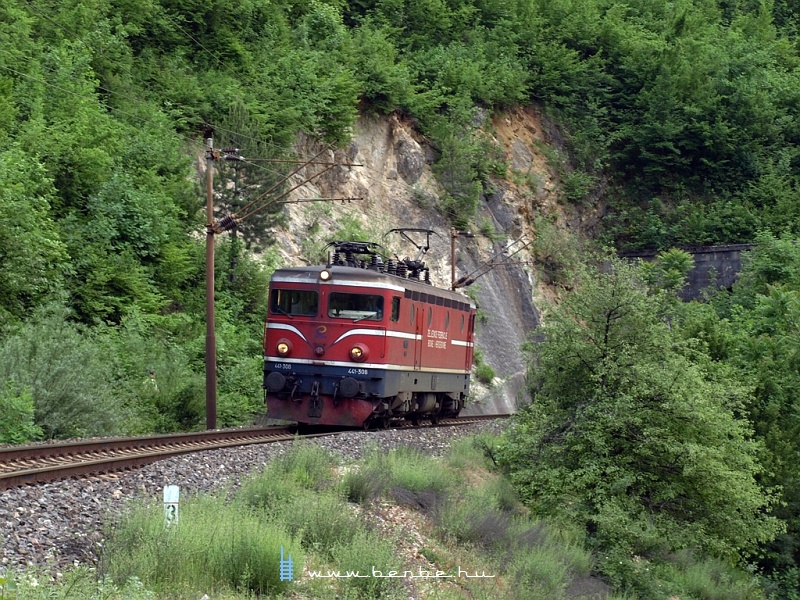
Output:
[[43, 463]]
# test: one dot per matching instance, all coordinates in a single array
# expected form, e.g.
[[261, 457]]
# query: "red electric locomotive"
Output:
[[360, 342]]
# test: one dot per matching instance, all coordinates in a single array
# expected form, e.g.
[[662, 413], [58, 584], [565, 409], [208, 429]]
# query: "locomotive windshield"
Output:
[[301, 303], [355, 306]]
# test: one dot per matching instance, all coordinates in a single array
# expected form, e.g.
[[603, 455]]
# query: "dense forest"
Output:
[[678, 118]]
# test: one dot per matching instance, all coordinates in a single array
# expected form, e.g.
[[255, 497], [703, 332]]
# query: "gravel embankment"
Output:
[[57, 524]]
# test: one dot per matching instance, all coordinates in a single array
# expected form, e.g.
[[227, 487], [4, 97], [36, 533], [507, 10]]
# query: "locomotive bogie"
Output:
[[334, 395]]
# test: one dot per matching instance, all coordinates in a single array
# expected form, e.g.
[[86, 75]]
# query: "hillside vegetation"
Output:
[[677, 121]]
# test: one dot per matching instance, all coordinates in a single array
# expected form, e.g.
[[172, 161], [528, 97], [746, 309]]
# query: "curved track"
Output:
[[42, 463]]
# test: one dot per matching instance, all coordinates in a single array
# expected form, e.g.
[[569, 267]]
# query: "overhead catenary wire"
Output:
[[492, 262], [277, 184], [236, 219], [367, 172]]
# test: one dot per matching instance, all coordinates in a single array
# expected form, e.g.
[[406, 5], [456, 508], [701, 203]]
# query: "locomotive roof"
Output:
[[352, 275]]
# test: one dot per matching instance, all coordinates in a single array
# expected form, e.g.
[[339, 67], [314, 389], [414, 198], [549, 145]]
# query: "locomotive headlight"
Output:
[[284, 347], [359, 352], [324, 275]]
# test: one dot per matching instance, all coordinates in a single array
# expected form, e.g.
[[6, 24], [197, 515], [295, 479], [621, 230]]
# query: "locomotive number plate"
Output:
[[282, 367], [357, 372]]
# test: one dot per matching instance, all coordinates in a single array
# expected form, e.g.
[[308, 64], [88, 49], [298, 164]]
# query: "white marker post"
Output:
[[171, 494]]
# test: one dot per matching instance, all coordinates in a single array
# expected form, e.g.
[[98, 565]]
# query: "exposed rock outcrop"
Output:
[[397, 188]]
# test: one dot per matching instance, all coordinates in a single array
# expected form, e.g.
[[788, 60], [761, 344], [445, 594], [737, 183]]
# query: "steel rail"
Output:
[[33, 451], [82, 458], [92, 464]]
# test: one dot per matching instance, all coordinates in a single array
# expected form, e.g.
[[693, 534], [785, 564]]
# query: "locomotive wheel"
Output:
[[415, 421], [434, 419], [385, 422]]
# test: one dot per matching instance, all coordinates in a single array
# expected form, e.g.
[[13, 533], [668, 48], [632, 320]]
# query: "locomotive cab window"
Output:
[[355, 306], [294, 303], [395, 309]]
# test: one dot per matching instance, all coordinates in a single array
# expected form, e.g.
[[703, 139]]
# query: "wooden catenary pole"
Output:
[[211, 342]]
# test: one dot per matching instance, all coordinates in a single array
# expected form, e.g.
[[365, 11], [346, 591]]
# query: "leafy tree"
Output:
[[457, 167], [244, 177], [31, 249], [385, 80], [756, 330], [634, 432], [669, 270], [774, 261]]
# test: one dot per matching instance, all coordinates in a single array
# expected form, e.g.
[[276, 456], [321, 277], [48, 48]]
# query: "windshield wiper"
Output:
[[278, 309], [369, 316]]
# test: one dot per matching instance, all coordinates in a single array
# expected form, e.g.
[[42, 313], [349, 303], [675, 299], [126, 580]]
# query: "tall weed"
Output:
[[213, 546], [362, 553], [307, 464], [410, 469]]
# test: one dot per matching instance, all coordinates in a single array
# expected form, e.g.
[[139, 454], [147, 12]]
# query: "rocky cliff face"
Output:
[[396, 188]]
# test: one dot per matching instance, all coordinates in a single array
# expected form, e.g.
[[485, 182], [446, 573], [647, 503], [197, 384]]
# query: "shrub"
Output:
[[713, 580], [17, 424], [66, 374], [485, 374], [539, 573], [472, 452], [606, 442], [269, 492], [321, 521], [473, 519], [291, 491], [362, 485]]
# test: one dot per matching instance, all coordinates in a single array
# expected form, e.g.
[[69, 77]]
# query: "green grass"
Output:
[[80, 583], [229, 548], [305, 463], [405, 475], [302, 470], [710, 579], [409, 469], [214, 546], [362, 485], [538, 575], [321, 521], [364, 551], [471, 453]]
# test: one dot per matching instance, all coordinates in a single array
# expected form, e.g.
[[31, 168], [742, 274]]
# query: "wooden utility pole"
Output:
[[454, 233], [228, 223], [211, 342]]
